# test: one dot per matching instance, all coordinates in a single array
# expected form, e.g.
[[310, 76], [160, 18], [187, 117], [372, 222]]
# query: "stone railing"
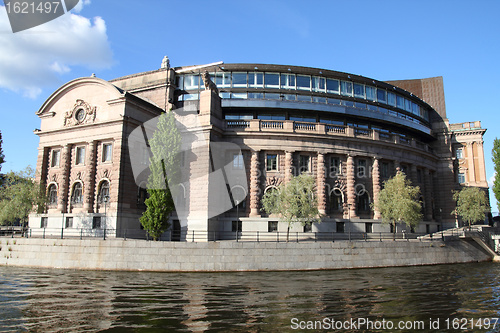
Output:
[[290, 126]]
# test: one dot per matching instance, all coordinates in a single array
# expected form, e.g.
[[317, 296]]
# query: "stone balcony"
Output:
[[290, 126]]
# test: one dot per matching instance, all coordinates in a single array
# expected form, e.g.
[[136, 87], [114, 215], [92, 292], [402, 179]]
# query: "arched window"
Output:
[[76, 195], [103, 192], [52, 192], [336, 203]]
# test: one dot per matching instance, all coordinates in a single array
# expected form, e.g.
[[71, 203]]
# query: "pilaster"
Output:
[[470, 163], [254, 184], [376, 186], [320, 183], [288, 166], [62, 206], [90, 189], [351, 192], [427, 195]]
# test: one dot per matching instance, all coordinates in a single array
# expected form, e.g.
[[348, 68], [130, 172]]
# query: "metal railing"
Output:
[[238, 236]]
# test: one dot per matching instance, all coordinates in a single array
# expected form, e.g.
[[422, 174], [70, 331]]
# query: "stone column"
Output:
[[413, 175], [90, 189], [470, 163], [427, 195], [254, 184], [288, 166], [320, 182], [42, 166], [62, 206], [376, 186], [351, 192]]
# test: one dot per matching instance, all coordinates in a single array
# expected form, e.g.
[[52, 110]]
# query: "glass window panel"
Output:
[[391, 99], [225, 94], [80, 155], [303, 163], [347, 103], [288, 81], [381, 96], [303, 82], [180, 82], [271, 116], [360, 105], [415, 109], [272, 96], [400, 102], [55, 158], [303, 118], [239, 80], [318, 84], [332, 121], [256, 95], [190, 97], [333, 101], [255, 79], [346, 88], [237, 161], [289, 97], [272, 80], [372, 107], [106, 152], [407, 105], [370, 93], [303, 98], [191, 82], [239, 95], [359, 90], [332, 86], [319, 99], [271, 162]]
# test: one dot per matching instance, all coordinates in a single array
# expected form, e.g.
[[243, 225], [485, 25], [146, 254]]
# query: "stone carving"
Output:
[[273, 181], [81, 113], [165, 63], [209, 84]]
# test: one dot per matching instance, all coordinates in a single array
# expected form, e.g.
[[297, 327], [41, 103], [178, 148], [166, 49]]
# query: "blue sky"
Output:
[[384, 40]]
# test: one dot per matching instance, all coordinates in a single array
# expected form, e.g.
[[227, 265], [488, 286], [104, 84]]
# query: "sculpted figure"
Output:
[[209, 84]]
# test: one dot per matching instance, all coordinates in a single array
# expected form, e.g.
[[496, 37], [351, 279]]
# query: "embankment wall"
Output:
[[134, 255]]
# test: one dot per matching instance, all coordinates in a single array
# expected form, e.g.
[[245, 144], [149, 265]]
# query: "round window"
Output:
[[80, 115]]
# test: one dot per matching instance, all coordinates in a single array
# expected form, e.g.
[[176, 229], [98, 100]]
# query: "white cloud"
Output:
[[491, 180], [78, 8], [35, 58]]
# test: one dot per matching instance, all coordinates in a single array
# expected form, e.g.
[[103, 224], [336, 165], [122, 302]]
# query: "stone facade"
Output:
[[349, 139]]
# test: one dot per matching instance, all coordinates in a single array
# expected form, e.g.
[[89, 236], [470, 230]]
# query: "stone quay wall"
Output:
[[142, 255]]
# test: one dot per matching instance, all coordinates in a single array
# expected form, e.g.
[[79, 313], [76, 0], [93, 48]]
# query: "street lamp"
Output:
[[237, 218], [106, 199]]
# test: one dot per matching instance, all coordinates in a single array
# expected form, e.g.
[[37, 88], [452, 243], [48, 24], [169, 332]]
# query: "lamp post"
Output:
[[237, 218], [349, 221], [106, 199]]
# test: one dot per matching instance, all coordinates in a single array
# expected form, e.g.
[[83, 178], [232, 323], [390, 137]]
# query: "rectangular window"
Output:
[[107, 150], [384, 170], [239, 80], [271, 116], [256, 95], [69, 222], [272, 226], [289, 97], [80, 155], [255, 80], [308, 227], [303, 82], [56, 154], [304, 163], [288, 81], [44, 222], [223, 80], [407, 105], [96, 222], [415, 109], [239, 95], [317, 99], [391, 99], [400, 102], [361, 168], [236, 226], [272, 96], [237, 161], [335, 166], [191, 82], [271, 162], [303, 98], [332, 86], [459, 153], [340, 227], [272, 80], [461, 178], [318, 84], [359, 90], [370, 93], [346, 88], [381, 96], [368, 227]]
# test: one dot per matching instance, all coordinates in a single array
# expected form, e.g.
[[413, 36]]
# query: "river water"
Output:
[[445, 298]]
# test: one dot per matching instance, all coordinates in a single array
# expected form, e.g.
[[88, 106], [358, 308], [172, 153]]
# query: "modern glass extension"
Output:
[[298, 85]]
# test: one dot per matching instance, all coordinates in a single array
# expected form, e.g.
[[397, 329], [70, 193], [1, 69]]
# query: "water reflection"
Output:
[[40, 300]]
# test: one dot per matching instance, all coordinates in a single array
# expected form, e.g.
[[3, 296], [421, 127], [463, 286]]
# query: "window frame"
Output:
[[80, 160], [270, 168], [105, 155], [303, 166], [55, 162]]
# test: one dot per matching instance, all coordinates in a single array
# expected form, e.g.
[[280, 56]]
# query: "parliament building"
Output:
[[350, 132]]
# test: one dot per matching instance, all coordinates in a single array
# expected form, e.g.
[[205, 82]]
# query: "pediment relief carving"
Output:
[[81, 113]]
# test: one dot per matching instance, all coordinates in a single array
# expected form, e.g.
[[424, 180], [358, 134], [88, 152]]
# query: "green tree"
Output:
[[19, 196], [293, 202], [2, 156], [165, 145], [472, 204], [496, 161], [398, 202]]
